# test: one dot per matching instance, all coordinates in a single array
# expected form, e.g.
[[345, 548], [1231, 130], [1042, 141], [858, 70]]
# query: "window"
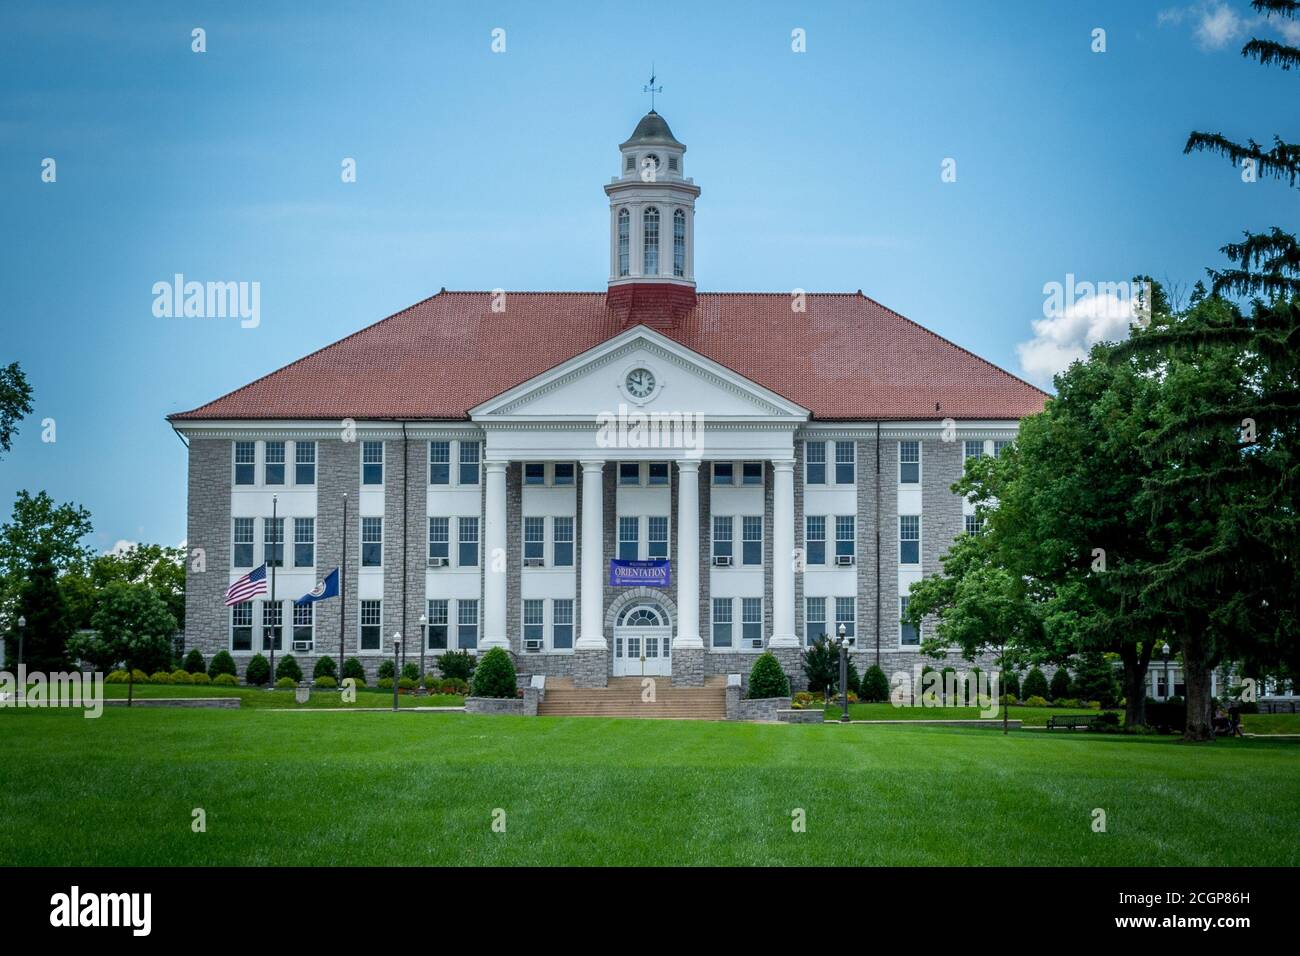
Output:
[[751, 473], [467, 555], [629, 538], [815, 538], [562, 624], [722, 536], [723, 473], [272, 625], [242, 555], [304, 542], [751, 539], [437, 624], [439, 538], [846, 614], [679, 239], [814, 619], [909, 539], [844, 528], [563, 532], [650, 241], [845, 456], [372, 622], [751, 621], [973, 524], [469, 462], [439, 462], [534, 619], [302, 622], [815, 466], [372, 542], [467, 624], [909, 462], [998, 446], [657, 536], [624, 227], [672, 165], [908, 634], [658, 472], [629, 473], [273, 542], [372, 463], [241, 626], [722, 622], [534, 473], [274, 474], [304, 459], [563, 473], [973, 449], [534, 538], [245, 462]]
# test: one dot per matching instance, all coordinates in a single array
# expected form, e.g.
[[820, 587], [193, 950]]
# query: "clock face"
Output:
[[652, 160], [640, 383]]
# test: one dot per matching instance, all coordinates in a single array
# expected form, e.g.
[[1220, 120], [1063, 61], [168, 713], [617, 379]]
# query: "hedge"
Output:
[[767, 679]]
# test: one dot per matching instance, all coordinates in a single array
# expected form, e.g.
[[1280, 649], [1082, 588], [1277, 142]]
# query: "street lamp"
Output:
[[397, 650], [22, 680], [844, 675], [1169, 684], [424, 641]]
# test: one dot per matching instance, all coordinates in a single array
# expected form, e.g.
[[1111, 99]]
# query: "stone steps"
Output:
[[623, 699]]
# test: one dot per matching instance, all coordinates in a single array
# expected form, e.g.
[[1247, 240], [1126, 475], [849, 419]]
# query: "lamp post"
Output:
[[397, 653], [22, 680], [1169, 684], [424, 641], [277, 551], [844, 675]]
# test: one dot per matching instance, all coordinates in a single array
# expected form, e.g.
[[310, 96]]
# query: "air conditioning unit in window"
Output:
[[722, 560], [534, 562], [437, 562], [756, 643], [302, 645], [534, 645], [844, 560]]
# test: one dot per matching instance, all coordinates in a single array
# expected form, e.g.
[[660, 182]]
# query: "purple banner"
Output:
[[654, 574]]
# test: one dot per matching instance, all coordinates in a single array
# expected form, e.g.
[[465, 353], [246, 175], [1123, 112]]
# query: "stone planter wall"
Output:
[[764, 708], [812, 715], [527, 707]]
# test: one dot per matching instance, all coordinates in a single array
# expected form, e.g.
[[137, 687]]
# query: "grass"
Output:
[[1038, 716], [261, 698], [336, 788]]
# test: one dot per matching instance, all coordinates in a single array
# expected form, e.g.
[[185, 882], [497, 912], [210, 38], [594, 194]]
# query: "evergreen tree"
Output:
[[1060, 685], [40, 602]]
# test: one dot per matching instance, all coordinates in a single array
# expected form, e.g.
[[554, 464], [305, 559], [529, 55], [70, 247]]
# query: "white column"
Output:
[[494, 557], [591, 632], [783, 555], [688, 556]]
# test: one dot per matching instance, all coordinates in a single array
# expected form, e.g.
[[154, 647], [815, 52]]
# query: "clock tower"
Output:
[[651, 227]]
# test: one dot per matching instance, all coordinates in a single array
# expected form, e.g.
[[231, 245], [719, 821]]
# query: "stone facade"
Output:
[[207, 619]]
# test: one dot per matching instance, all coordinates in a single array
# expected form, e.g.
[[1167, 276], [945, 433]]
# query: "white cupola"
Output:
[[652, 210]]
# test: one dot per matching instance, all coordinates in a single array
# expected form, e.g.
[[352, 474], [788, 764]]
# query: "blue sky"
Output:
[[475, 170]]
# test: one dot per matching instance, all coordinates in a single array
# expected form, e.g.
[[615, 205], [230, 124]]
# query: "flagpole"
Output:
[[343, 582], [277, 549]]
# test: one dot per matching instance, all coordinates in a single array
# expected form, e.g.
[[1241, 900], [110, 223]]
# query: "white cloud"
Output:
[[1064, 338], [1290, 31], [1218, 25]]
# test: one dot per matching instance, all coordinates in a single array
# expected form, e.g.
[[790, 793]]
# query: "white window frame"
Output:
[[362, 625], [901, 462]]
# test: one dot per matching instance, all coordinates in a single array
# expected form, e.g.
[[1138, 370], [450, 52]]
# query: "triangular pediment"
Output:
[[601, 379]]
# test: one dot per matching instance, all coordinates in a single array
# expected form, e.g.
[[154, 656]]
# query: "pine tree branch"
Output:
[[1283, 8], [1270, 51], [1281, 162]]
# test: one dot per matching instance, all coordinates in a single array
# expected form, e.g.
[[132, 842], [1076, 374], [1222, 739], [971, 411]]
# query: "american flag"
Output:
[[250, 585]]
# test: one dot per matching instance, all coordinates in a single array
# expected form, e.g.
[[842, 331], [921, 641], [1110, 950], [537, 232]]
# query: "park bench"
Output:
[[1072, 721]]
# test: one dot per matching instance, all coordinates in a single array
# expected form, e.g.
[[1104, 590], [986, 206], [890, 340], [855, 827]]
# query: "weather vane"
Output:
[[651, 88]]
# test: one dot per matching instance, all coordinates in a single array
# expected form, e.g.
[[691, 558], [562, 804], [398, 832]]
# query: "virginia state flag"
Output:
[[327, 588]]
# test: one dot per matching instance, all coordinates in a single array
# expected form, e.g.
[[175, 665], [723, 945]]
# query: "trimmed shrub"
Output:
[[458, 665], [1094, 679], [327, 682], [1107, 722], [226, 680], [387, 669], [767, 679], [495, 675], [200, 678], [406, 683], [288, 667], [384, 683], [1011, 683], [1060, 686], [411, 671], [1035, 685], [117, 677], [1010, 699], [181, 677], [430, 682], [160, 677], [222, 663], [139, 677], [874, 686], [455, 685], [1035, 701], [286, 683], [325, 667], [194, 662], [352, 668], [1066, 702], [258, 671]]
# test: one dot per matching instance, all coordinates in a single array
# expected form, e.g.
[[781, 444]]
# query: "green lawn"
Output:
[[336, 788], [1031, 716], [262, 698]]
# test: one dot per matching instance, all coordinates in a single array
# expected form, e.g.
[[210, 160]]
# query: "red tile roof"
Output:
[[846, 357]]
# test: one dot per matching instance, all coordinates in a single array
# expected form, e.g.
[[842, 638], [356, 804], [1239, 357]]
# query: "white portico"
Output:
[[639, 397]]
